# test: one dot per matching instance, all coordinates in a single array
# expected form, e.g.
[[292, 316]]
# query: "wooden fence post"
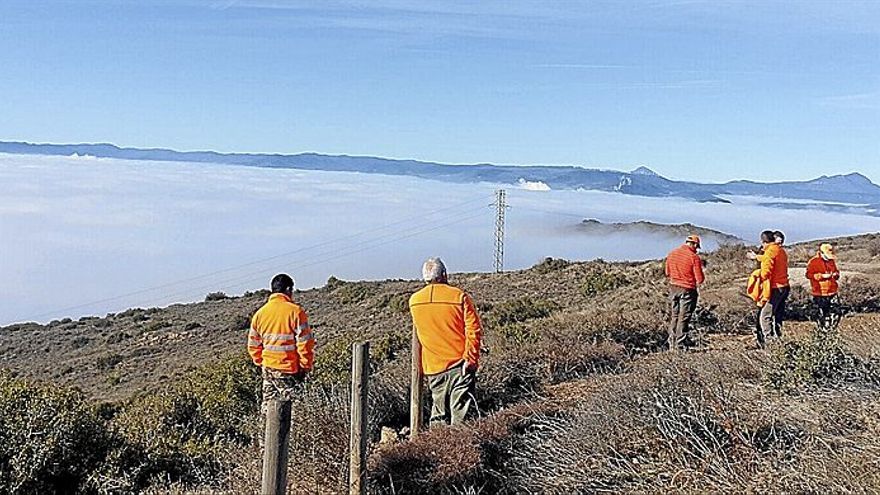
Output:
[[275, 448], [360, 372], [415, 398]]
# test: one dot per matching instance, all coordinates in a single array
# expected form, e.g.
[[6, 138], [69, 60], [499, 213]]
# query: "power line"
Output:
[[238, 281], [255, 262]]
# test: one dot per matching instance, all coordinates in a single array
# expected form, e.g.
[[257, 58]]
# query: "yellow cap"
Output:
[[693, 238]]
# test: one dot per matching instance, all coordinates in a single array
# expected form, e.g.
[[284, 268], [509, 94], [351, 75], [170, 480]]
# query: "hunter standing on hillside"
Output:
[[684, 269], [823, 275], [281, 342], [774, 269], [449, 330]]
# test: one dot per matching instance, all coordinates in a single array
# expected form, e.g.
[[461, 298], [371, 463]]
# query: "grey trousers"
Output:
[[682, 304], [452, 395], [772, 314]]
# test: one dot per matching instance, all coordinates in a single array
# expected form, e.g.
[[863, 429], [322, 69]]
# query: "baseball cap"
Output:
[[828, 251]]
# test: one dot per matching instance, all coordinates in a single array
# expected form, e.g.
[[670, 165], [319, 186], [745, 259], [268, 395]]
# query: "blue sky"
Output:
[[705, 90]]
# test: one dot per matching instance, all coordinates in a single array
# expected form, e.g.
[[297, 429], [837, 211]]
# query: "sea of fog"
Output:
[[86, 236]]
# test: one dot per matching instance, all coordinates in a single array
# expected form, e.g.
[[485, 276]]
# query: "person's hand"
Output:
[[826, 276], [752, 255]]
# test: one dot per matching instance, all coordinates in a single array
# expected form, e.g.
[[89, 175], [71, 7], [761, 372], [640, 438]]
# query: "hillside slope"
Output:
[[169, 402]]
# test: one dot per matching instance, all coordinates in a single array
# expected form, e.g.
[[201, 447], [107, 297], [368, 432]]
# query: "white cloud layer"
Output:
[[76, 231]]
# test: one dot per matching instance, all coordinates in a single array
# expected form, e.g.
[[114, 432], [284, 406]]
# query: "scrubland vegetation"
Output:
[[573, 395]]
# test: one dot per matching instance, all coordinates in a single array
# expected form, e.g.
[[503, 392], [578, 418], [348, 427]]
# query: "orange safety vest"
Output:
[[447, 326], [280, 337]]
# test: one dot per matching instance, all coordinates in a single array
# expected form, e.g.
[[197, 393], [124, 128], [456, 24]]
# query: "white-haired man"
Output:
[[449, 330]]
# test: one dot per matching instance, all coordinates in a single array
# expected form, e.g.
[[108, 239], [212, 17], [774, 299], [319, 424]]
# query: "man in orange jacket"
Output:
[[281, 341], [449, 330], [774, 268], [684, 269], [823, 275]]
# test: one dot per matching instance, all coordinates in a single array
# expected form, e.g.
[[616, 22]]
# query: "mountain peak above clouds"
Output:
[[643, 170]]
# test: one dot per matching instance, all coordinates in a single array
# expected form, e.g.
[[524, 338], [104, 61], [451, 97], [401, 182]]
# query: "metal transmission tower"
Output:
[[500, 208]]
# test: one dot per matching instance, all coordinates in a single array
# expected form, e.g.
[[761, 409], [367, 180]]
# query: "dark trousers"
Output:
[[682, 304], [771, 315], [452, 395], [824, 312]]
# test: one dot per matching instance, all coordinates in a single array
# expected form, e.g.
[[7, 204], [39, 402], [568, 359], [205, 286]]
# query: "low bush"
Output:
[[50, 438], [216, 296], [820, 361], [550, 265], [519, 310], [598, 282]]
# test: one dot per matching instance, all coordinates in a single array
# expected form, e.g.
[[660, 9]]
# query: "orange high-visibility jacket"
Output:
[[447, 326], [774, 266], [821, 286], [684, 267], [758, 289], [280, 337]]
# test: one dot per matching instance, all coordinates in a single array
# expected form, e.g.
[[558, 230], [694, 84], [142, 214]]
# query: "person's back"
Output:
[[448, 328], [443, 315], [774, 266], [281, 328], [684, 267]]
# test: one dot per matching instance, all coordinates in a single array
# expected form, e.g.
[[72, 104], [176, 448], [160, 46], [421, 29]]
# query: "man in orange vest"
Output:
[[774, 268], [684, 269], [823, 275], [281, 341], [449, 330]]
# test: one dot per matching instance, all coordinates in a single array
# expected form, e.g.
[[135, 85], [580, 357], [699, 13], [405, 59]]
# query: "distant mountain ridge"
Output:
[[853, 188]]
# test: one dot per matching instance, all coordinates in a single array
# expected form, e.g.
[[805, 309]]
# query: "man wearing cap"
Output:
[[823, 275], [684, 269]]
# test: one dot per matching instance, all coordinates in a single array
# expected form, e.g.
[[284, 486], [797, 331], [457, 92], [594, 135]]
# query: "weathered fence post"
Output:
[[275, 449], [415, 398], [360, 372]]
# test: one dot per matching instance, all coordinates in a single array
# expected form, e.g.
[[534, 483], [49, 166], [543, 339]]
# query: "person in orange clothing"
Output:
[[684, 269], [281, 342], [449, 330], [823, 275], [774, 268]]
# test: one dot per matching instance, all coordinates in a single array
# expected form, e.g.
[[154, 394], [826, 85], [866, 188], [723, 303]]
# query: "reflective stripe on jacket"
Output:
[[447, 326], [280, 337], [684, 267], [774, 266], [821, 286]]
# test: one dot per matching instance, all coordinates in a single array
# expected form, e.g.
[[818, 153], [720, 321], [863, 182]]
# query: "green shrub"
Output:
[[550, 265], [396, 302], [352, 293], [598, 282], [519, 310], [820, 361], [216, 296], [50, 439]]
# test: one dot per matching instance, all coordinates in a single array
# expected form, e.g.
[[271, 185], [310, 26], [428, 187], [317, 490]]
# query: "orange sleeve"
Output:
[[813, 271], [473, 332], [305, 341], [255, 343]]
